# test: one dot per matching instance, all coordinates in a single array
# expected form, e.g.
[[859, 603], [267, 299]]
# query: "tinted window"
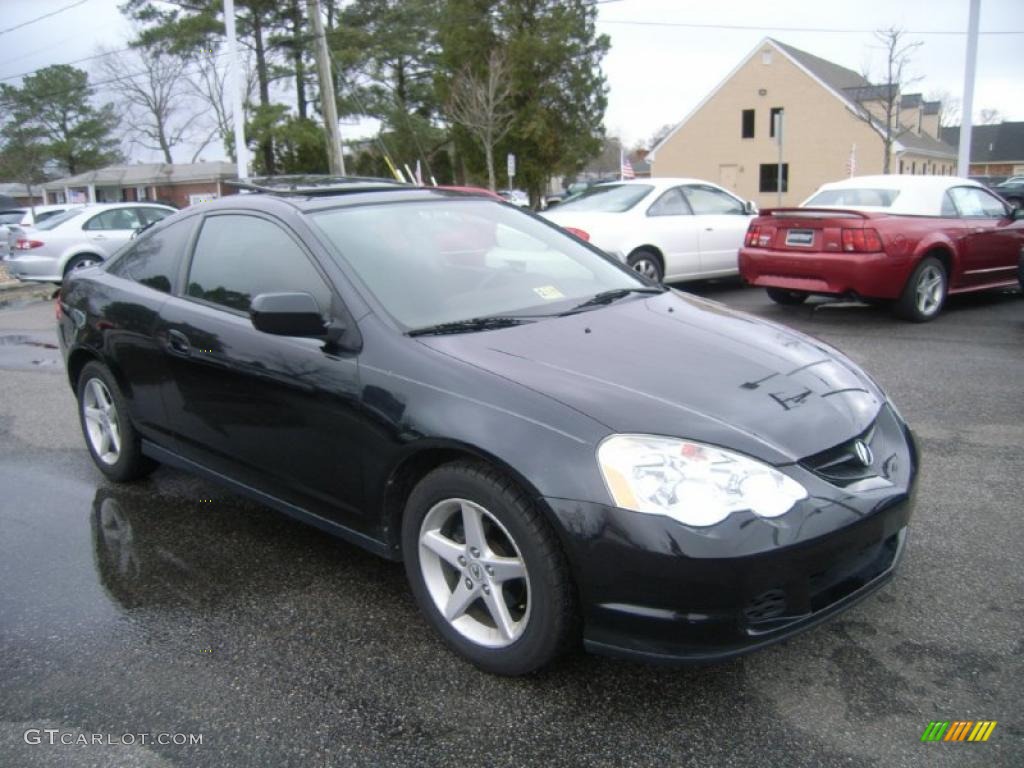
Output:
[[56, 221], [238, 257], [710, 200], [47, 215], [11, 217], [611, 198], [669, 204], [154, 258], [880, 198], [153, 215], [976, 202], [116, 218]]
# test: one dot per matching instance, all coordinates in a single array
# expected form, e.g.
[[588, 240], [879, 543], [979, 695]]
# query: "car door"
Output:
[[670, 226], [990, 242], [721, 222], [276, 413], [110, 229]]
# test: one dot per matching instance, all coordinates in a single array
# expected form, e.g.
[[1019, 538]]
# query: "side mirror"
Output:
[[287, 314], [1017, 213], [750, 208]]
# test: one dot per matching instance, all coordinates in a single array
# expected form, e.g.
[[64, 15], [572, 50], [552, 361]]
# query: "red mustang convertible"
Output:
[[909, 239]]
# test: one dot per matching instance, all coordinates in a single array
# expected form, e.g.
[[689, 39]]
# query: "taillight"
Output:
[[759, 236], [864, 240], [579, 233], [21, 244], [752, 232]]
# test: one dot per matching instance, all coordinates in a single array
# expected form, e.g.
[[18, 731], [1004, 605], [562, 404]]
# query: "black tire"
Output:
[[550, 624], [80, 261], [647, 263], [913, 304], [129, 463], [785, 297]]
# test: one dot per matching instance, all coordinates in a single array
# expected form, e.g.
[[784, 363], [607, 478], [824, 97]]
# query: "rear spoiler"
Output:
[[816, 213]]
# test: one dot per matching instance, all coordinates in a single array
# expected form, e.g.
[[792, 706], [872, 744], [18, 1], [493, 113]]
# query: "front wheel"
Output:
[[486, 569], [647, 264], [925, 292], [785, 297]]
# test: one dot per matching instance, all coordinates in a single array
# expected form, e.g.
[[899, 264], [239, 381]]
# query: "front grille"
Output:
[[841, 465], [767, 605]]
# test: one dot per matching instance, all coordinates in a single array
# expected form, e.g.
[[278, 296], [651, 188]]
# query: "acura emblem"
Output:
[[864, 454]]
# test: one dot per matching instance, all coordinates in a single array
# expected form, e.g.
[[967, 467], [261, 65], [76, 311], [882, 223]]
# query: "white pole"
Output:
[[964, 158], [235, 83], [328, 105]]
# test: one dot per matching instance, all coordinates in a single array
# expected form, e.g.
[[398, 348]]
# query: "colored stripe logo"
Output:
[[958, 730]]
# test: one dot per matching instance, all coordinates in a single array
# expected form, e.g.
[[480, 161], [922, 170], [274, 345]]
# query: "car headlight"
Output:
[[693, 483]]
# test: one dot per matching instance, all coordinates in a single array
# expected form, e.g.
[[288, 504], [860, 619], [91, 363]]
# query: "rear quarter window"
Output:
[[155, 258]]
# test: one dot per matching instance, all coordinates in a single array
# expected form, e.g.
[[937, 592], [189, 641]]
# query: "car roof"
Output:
[[918, 195]]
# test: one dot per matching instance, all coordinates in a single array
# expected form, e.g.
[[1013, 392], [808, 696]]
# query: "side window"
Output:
[[977, 203], [710, 200], [671, 203], [948, 208], [152, 215], [237, 257], [153, 260], [115, 218]]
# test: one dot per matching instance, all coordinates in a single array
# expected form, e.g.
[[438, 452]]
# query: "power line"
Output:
[[764, 28], [65, 64], [44, 16]]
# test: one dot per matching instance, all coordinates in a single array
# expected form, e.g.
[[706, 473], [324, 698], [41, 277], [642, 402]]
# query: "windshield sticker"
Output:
[[549, 292]]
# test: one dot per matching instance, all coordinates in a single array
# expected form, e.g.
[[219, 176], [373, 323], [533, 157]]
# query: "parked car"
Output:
[[1012, 190], [547, 439], [515, 196], [79, 237], [24, 216], [911, 240], [666, 229]]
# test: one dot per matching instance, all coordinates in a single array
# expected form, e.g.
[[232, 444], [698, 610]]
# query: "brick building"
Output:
[[180, 184]]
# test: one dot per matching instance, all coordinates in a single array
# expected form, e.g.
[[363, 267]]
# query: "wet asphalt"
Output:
[[171, 606]]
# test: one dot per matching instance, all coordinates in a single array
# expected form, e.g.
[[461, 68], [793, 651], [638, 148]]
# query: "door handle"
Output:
[[99, 237], [178, 343], [709, 229]]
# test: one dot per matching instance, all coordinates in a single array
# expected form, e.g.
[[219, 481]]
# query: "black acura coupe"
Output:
[[553, 445]]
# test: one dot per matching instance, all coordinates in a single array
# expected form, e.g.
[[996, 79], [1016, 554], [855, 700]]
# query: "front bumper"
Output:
[[871, 275], [654, 589]]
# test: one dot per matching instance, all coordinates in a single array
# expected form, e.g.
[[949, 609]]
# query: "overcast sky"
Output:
[[657, 71]]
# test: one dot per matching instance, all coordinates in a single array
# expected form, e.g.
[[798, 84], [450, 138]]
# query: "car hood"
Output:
[[686, 367]]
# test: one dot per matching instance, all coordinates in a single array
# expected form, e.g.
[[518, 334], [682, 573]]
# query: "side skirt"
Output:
[[172, 459]]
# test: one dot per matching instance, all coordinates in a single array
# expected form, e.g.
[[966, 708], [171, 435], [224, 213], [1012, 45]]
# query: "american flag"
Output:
[[626, 169]]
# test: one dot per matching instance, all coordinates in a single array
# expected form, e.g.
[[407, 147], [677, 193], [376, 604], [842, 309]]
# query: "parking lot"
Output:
[[171, 606]]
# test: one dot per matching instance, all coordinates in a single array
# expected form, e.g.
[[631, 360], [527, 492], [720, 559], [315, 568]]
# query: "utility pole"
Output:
[[335, 158], [235, 84], [963, 164]]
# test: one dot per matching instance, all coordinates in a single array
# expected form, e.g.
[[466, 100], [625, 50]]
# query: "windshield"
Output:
[[11, 217], [607, 198], [876, 198], [439, 262], [56, 221]]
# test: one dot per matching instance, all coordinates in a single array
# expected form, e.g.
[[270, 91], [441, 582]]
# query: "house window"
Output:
[[771, 123], [766, 56], [770, 177], [748, 124]]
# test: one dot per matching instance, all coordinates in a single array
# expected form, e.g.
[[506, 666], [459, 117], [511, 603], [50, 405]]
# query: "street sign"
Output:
[[511, 167]]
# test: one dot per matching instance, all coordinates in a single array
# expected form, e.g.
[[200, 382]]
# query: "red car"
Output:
[[910, 239]]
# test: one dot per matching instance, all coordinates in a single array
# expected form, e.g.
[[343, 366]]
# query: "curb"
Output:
[[12, 293]]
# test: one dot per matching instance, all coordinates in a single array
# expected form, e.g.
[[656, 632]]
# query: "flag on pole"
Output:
[[625, 167], [851, 164]]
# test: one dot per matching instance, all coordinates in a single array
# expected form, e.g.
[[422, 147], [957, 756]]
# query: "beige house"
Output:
[[730, 137]]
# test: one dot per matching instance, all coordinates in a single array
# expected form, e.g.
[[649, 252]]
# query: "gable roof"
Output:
[[831, 74], [992, 143]]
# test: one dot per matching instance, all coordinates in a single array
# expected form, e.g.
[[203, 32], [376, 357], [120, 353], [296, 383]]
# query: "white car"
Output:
[[21, 216], [666, 229], [79, 237]]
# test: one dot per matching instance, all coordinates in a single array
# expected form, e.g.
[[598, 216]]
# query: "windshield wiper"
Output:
[[607, 297], [489, 323]]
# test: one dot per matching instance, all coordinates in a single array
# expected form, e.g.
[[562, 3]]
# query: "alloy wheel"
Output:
[[101, 421], [647, 268], [930, 290], [475, 573]]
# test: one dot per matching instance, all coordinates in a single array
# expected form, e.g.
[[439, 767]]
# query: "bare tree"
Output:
[[949, 107], [479, 103], [158, 111], [989, 116], [880, 104], [210, 85]]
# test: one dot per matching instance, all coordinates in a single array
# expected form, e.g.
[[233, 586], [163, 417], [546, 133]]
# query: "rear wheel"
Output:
[[81, 261], [925, 292], [486, 569], [647, 264], [113, 443], [786, 297]]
